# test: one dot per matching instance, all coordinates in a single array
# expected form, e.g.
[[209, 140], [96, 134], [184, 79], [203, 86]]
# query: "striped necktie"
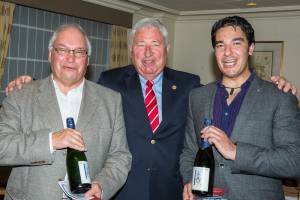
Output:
[[151, 106]]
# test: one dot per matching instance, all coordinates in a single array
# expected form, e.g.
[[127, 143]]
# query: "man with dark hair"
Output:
[[155, 131], [256, 130]]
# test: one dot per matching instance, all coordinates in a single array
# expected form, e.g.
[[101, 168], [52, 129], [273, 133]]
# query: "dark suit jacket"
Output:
[[267, 134], [155, 166]]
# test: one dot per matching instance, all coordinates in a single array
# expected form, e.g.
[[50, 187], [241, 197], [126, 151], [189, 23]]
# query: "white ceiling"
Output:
[[190, 7], [195, 5]]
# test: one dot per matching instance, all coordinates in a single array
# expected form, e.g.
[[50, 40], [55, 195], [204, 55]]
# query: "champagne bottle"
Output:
[[77, 167], [204, 168]]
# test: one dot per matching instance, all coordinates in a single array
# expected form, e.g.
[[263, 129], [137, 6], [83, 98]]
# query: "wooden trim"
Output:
[[81, 9]]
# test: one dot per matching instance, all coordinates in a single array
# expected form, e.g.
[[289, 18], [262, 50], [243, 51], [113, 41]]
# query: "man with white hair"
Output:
[[155, 100]]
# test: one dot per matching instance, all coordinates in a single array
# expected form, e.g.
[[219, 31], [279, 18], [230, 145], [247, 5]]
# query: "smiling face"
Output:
[[68, 70], [232, 51], [149, 52]]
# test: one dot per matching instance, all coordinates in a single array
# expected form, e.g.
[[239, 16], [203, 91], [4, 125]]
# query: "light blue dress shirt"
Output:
[[157, 88]]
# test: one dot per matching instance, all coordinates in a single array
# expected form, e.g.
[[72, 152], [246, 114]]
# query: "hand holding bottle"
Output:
[[220, 140], [68, 138], [187, 191], [95, 192]]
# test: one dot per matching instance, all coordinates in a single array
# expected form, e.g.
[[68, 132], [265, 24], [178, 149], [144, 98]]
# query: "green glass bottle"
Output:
[[77, 167]]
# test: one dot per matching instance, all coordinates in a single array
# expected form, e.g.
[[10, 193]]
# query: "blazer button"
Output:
[[153, 141]]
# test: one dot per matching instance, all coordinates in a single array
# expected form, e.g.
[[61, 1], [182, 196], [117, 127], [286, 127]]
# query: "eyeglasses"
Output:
[[78, 53]]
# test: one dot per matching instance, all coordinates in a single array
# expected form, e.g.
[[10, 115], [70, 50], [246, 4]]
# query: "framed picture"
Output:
[[267, 58]]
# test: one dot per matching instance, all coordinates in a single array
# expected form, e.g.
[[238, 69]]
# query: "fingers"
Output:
[[187, 192], [294, 90], [275, 79], [220, 140], [22, 80], [284, 84], [18, 83], [94, 193], [10, 87], [68, 138]]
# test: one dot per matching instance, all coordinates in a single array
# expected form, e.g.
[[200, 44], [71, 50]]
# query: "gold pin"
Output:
[[174, 87]]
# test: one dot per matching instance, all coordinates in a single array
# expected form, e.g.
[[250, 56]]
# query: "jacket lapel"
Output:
[[169, 91], [134, 97], [48, 104], [87, 108], [249, 102]]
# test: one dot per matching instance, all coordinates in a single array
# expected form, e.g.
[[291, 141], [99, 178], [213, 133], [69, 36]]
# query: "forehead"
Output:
[[70, 37], [230, 32], [148, 33]]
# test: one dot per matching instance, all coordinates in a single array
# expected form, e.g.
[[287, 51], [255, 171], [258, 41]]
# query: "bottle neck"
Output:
[[204, 144], [70, 150]]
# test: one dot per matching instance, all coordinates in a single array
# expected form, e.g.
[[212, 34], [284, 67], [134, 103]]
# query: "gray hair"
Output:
[[149, 22], [77, 27]]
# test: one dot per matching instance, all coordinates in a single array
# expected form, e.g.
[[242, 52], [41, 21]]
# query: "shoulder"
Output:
[[203, 91], [32, 88], [116, 74], [270, 91], [181, 76], [95, 89]]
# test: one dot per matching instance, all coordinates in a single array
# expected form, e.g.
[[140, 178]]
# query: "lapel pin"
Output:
[[174, 87]]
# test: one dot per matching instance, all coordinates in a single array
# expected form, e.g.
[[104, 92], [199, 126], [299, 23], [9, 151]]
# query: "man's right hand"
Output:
[[68, 138], [187, 192], [17, 83]]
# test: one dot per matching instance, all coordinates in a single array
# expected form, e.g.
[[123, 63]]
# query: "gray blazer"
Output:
[[267, 135], [29, 115]]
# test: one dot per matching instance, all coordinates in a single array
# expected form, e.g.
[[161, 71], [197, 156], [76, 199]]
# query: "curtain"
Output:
[[119, 49], [6, 18]]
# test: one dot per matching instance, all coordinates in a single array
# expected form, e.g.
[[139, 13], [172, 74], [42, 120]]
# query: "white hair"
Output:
[[149, 22], [77, 27]]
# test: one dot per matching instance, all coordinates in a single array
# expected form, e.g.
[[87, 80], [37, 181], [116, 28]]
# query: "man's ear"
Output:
[[251, 49], [49, 56]]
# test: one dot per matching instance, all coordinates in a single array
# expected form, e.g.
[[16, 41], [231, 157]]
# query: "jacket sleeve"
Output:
[[283, 159], [190, 147], [19, 145], [118, 160]]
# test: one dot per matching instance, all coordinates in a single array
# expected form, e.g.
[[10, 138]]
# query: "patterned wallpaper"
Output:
[[28, 49]]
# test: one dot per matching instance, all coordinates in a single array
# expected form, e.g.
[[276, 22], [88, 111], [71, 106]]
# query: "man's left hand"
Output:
[[95, 192], [221, 141], [284, 84]]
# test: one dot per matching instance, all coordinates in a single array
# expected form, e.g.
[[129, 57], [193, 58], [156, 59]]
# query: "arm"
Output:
[[118, 162], [190, 148], [19, 145], [284, 84], [17, 83], [283, 159]]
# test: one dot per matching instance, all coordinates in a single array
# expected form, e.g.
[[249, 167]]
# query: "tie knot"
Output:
[[149, 84]]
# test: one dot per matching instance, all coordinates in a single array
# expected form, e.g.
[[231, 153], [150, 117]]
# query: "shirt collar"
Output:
[[247, 82], [155, 81], [78, 89]]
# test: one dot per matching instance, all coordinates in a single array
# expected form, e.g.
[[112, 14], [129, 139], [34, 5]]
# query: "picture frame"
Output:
[[267, 58]]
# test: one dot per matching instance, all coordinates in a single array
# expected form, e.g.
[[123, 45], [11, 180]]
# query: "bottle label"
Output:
[[200, 179], [84, 172]]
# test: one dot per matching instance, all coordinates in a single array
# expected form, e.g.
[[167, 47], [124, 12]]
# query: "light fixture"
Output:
[[251, 4]]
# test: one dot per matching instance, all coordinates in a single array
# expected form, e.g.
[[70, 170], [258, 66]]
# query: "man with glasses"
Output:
[[33, 134], [155, 138]]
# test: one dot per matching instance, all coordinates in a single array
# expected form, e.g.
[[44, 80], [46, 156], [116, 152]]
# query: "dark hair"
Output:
[[234, 21]]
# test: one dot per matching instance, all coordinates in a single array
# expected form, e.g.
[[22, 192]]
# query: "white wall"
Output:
[[193, 51]]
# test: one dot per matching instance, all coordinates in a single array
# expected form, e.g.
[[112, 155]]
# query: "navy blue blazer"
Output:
[[154, 172]]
